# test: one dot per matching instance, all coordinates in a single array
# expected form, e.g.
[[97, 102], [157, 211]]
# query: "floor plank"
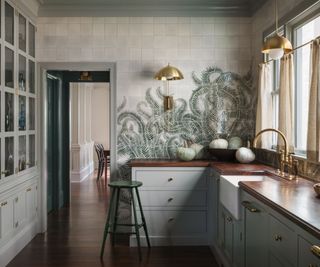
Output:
[[74, 237]]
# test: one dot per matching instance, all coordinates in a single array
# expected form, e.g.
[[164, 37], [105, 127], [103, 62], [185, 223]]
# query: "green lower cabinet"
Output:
[[305, 256], [276, 261]]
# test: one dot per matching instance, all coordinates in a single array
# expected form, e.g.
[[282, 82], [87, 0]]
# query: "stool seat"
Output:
[[125, 184]]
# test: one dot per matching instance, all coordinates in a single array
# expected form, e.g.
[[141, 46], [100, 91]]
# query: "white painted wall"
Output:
[[100, 115]]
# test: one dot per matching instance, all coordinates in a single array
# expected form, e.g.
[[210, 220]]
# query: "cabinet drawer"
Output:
[[173, 198], [185, 179], [283, 240], [305, 256], [176, 223]]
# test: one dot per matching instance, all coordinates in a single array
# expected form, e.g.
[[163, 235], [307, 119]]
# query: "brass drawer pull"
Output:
[[4, 203], [29, 189], [315, 251], [170, 199], [171, 220], [249, 207], [170, 179], [229, 219], [5, 172], [278, 238]]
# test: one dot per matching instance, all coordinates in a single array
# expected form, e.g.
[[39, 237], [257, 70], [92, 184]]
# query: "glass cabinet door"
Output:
[[9, 112], [9, 23], [22, 72], [22, 33], [31, 77], [22, 152], [9, 156], [22, 113], [32, 151], [31, 113], [9, 67], [32, 34]]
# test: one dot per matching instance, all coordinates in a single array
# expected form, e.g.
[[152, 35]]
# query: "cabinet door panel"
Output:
[[19, 209], [6, 217], [305, 256], [31, 202]]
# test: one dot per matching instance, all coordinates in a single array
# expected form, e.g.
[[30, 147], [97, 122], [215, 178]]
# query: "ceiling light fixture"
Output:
[[276, 46], [166, 74]]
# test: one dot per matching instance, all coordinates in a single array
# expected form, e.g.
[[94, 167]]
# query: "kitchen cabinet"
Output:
[[271, 240], [6, 217], [175, 204]]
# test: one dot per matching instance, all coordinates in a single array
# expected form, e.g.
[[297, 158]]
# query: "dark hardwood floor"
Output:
[[74, 238]]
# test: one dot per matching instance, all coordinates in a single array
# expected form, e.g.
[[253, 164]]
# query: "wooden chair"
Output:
[[101, 159]]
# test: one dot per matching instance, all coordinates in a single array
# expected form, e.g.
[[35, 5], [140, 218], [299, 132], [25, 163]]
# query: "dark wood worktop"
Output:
[[168, 163], [296, 200]]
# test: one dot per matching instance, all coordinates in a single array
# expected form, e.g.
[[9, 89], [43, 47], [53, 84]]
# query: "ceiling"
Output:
[[204, 8]]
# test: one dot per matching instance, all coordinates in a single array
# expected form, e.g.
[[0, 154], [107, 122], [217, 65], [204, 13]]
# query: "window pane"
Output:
[[31, 77], [22, 72], [32, 150], [22, 113], [9, 112], [31, 40], [9, 66], [31, 113], [303, 34], [9, 22], [9, 156], [22, 152], [22, 32]]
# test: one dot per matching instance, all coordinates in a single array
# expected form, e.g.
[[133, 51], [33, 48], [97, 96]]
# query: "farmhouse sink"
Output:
[[230, 193]]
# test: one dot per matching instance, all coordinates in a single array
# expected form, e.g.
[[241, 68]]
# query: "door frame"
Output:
[[42, 68]]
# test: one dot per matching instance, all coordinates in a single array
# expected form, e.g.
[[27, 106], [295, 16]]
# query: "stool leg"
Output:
[[106, 229], [143, 218], [136, 224], [115, 217]]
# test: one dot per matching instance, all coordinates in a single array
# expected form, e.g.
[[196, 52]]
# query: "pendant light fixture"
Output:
[[166, 74], [276, 46]]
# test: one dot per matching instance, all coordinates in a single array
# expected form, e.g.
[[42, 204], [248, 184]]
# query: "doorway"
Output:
[[70, 149]]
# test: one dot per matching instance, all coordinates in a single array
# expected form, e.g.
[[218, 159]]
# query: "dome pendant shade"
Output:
[[276, 46], [169, 73]]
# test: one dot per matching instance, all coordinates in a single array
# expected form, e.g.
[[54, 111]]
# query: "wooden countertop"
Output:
[[168, 163], [296, 200]]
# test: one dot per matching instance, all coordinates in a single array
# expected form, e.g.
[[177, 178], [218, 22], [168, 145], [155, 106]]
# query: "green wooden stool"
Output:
[[112, 219]]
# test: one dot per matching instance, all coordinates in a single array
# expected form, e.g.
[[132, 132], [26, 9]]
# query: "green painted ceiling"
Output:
[[149, 7]]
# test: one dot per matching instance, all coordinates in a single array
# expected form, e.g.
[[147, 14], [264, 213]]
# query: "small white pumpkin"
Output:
[[245, 155], [235, 142], [219, 143], [198, 149], [186, 153]]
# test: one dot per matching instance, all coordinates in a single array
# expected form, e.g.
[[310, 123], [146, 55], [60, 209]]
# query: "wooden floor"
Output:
[[74, 238]]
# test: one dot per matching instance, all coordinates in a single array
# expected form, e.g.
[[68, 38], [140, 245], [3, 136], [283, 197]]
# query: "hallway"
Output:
[[74, 237]]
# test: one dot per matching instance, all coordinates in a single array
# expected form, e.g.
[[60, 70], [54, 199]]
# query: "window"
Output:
[[302, 34]]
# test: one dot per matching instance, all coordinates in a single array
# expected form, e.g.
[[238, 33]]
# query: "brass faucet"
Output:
[[286, 159]]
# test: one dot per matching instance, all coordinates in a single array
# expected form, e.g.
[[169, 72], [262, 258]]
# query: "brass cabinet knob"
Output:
[[229, 219], [315, 251], [170, 199], [170, 179], [5, 172], [171, 219], [29, 189], [249, 206], [278, 238], [4, 203]]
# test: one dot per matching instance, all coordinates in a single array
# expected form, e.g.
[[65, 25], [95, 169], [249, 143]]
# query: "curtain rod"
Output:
[[296, 48]]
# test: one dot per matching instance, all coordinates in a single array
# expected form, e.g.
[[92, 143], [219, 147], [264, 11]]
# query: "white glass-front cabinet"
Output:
[[18, 130]]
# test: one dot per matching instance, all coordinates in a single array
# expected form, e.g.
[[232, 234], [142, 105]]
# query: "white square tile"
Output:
[[98, 20], [61, 29], [147, 54], [172, 29], [110, 29], [74, 29], [184, 29], [123, 29], [86, 29], [135, 53], [159, 29], [98, 29], [147, 29]]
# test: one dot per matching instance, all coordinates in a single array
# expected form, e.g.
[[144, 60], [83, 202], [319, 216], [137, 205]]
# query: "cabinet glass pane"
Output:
[[31, 113], [22, 152], [9, 23], [32, 31], [22, 72], [22, 32], [9, 66], [32, 150], [31, 77], [9, 156], [9, 112], [22, 113]]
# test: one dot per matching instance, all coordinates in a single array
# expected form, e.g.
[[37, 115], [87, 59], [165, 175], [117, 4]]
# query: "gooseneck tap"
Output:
[[286, 159]]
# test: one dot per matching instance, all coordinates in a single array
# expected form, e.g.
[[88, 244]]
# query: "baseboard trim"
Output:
[[78, 177], [17, 243], [170, 241]]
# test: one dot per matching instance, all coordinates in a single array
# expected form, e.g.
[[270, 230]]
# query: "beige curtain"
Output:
[[264, 105], [313, 136], [286, 100]]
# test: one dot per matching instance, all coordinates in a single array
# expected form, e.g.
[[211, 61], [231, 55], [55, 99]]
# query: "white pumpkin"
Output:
[[235, 142], [245, 155], [219, 143], [186, 153], [198, 149]]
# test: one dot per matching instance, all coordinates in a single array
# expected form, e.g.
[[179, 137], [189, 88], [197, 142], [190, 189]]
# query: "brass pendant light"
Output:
[[276, 46], [168, 73]]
